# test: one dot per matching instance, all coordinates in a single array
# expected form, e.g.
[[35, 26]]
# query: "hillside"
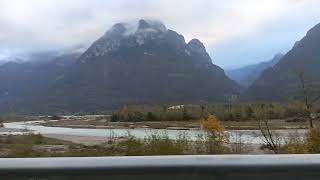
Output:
[[281, 82]]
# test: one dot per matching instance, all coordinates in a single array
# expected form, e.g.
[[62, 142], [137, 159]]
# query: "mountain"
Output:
[[280, 82], [245, 76], [132, 64], [20, 79]]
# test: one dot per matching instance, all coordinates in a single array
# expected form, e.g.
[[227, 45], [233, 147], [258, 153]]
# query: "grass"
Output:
[[22, 145], [33, 145]]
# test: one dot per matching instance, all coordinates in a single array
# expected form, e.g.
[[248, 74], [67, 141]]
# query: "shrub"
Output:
[[55, 117], [313, 140], [309, 144], [133, 147]]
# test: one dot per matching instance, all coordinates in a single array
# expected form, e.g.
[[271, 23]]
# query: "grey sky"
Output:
[[235, 32]]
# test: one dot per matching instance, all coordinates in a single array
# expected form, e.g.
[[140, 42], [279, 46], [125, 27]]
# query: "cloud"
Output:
[[37, 24]]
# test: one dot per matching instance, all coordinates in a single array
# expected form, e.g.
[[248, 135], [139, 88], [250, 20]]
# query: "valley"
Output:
[[148, 91]]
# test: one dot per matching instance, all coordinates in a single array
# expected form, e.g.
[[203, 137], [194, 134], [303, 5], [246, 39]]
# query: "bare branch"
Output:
[[264, 135], [268, 137], [270, 134], [315, 99], [307, 103]]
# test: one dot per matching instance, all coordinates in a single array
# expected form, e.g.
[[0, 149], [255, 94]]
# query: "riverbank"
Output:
[[235, 136], [12, 131]]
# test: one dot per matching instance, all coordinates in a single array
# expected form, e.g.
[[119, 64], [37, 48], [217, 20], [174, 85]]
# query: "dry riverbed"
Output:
[[12, 131]]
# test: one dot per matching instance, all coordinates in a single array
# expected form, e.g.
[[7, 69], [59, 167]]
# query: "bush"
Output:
[[133, 147], [309, 144], [162, 145], [313, 140], [55, 117]]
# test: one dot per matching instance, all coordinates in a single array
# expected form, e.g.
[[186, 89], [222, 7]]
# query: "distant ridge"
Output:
[[281, 82], [245, 76]]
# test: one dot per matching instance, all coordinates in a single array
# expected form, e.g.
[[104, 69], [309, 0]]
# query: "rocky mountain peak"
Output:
[[197, 46], [146, 33], [151, 25], [143, 24], [117, 30]]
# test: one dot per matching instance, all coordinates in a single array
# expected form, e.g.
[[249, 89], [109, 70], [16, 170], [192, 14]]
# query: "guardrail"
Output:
[[227, 167]]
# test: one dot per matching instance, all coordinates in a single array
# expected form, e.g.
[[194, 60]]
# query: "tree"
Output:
[[310, 97], [212, 125], [163, 113], [272, 141], [151, 116], [215, 136], [203, 108], [185, 114], [248, 112], [115, 118]]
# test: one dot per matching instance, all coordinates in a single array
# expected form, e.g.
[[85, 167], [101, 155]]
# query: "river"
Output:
[[236, 136]]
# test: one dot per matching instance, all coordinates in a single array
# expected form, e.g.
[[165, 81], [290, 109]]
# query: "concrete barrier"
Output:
[[261, 167]]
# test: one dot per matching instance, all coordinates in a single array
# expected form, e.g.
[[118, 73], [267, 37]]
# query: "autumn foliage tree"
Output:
[[216, 138], [212, 125]]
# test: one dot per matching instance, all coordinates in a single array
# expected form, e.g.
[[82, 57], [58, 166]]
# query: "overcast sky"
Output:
[[235, 32]]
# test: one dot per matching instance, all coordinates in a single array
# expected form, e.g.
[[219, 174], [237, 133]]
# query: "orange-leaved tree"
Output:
[[212, 125], [215, 137]]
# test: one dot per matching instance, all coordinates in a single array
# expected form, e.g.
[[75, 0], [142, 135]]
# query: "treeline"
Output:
[[247, 112], [154, 113], [225, 112]]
